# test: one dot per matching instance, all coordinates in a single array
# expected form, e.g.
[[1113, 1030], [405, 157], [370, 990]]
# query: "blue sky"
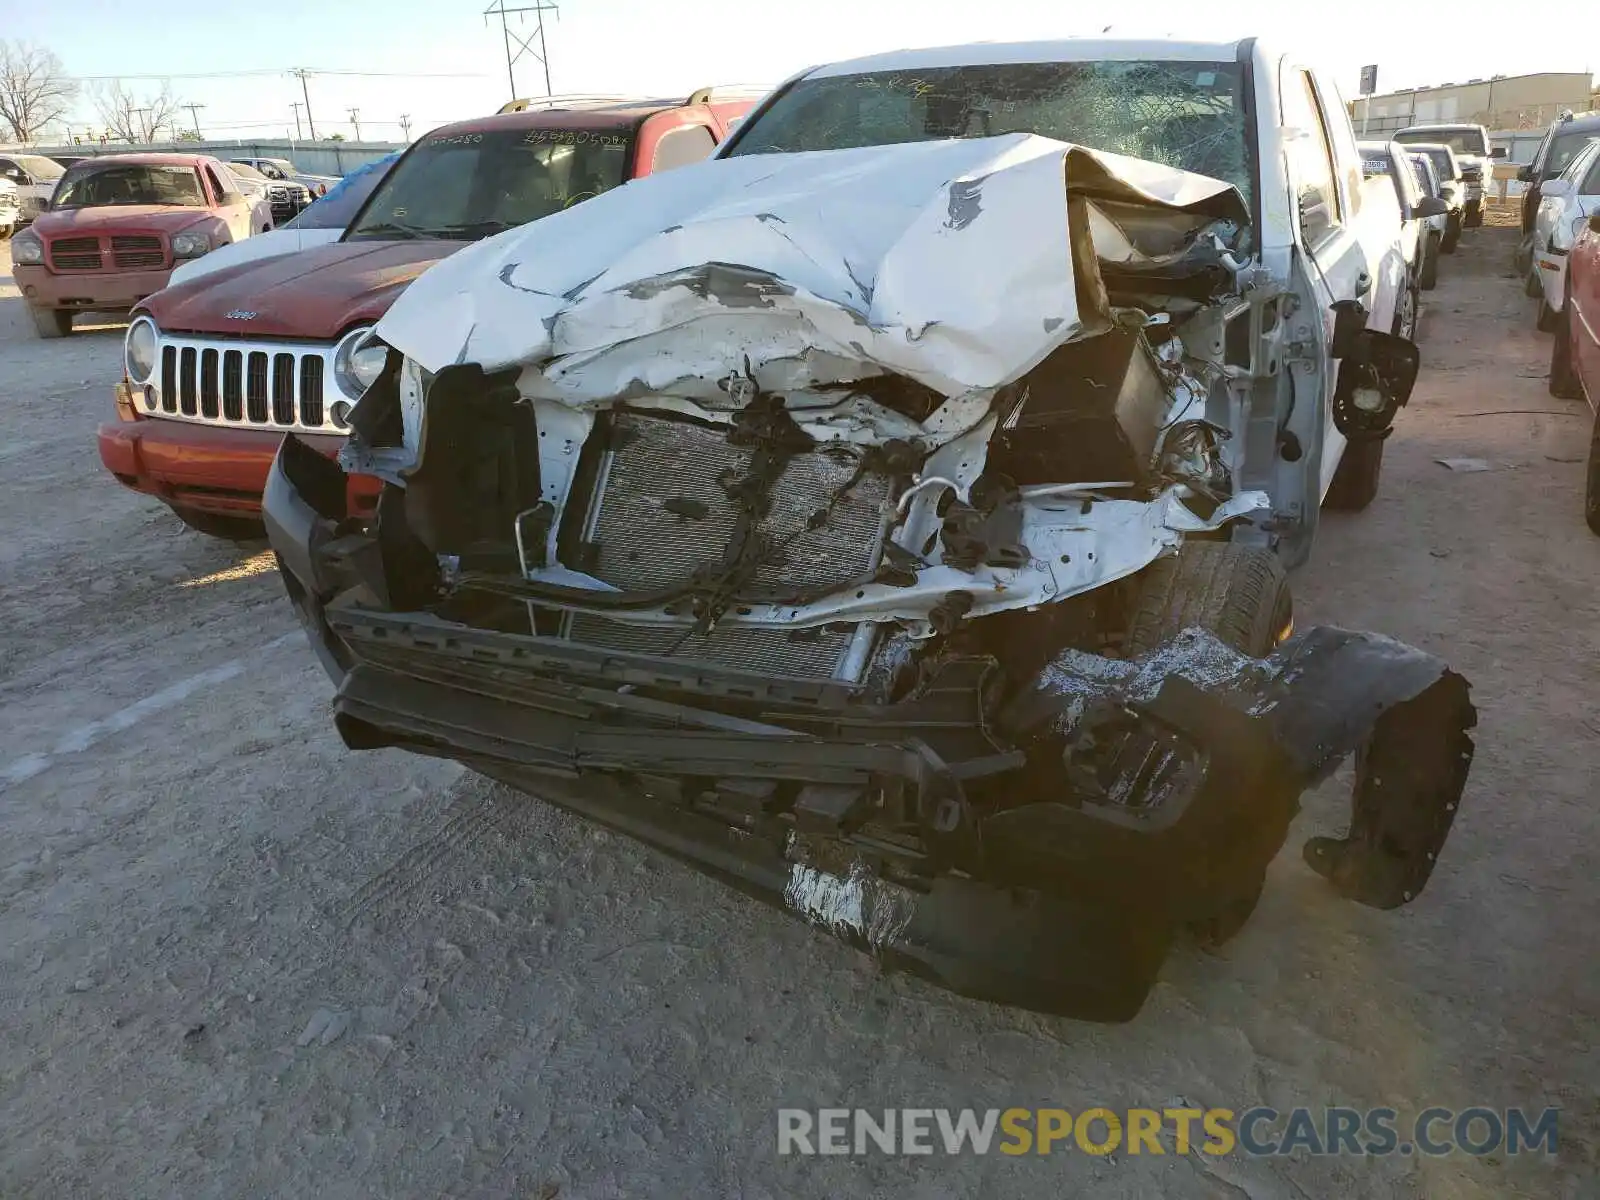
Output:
[[635, 46]]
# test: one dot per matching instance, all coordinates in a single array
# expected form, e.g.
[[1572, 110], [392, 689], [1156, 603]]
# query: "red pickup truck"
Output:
[[217, 370], [116, 227]]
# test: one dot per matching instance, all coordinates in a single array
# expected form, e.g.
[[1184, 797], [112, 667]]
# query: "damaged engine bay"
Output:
[[801, 535]]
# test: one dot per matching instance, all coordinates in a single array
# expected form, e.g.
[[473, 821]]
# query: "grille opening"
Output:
[[186, 384], [256, 387], [208, 383], [75, 254], [169, 379], [233, 385], [283, 389], [135, 251], [311, 390]]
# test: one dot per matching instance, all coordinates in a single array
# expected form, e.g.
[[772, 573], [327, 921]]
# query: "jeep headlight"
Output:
[[358, 360], [27, 250], [190, 245], [139, 350]]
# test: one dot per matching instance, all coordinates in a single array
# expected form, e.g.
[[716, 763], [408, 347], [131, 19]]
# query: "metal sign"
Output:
[[1369, 79]]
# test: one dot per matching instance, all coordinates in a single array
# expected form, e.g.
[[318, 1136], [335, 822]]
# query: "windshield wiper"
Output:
[[396, 229], [476, 229]]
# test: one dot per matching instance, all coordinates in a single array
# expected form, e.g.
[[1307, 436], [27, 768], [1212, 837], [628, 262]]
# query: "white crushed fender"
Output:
[[960, 264]]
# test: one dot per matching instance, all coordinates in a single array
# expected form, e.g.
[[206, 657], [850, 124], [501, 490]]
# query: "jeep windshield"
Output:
[[465, 186], [1181, 114], [1462, 141], [129, 183]]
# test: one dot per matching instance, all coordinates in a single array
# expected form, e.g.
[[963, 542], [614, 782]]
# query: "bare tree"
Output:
[[34, 89], [131, 117]]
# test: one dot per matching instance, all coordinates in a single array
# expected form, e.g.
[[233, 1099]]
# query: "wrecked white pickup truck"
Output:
[[889, 515]]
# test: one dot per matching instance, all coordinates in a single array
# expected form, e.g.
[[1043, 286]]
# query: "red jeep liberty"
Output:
[[217, 370]]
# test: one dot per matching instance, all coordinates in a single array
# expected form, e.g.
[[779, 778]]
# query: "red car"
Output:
[[117, 225], [218, 369], [1575, 350]]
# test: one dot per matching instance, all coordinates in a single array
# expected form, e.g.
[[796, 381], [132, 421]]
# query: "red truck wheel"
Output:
[[51, 322]]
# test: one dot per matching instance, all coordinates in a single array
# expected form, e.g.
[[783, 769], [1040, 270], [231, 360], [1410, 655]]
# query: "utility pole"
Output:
[[296, 106], [305, 91], [405, 126], [194, 112], [144, 130], [355, 119], [538, 9]]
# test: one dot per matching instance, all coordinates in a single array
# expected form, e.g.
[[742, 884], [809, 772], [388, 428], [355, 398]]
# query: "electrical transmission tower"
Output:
[[524, 45]]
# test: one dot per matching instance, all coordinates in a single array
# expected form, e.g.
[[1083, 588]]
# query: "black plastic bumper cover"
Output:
[[1061, 904]]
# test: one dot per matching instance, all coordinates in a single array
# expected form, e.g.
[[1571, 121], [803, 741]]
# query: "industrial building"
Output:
[[1501, 103]]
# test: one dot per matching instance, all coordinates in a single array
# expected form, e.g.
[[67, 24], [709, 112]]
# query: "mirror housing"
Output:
[[1429, 206], [1555, 187], [1594, 222], [1525, 174]]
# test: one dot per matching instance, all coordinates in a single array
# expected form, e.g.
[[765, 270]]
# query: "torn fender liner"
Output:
[[1295, 716]]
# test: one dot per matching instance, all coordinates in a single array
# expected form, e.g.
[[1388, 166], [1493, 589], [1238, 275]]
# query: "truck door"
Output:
[[1325, 178], [233, 206]]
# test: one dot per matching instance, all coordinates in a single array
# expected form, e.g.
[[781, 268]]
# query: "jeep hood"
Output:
[[312, 295], [958, 264]]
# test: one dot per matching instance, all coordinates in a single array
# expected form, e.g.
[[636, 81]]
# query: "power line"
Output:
[[280, 71]]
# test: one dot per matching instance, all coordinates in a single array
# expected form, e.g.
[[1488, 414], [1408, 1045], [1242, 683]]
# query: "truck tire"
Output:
[[1429, 278], [1355, 483], [51, 322], [1452, 234], [1564, 384], [217, 525], [1474, 215], [1547, 319], [1531, 287], [1238, 593]]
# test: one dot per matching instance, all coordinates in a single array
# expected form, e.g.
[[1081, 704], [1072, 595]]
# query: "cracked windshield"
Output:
[[473, 185], [1182, 114]]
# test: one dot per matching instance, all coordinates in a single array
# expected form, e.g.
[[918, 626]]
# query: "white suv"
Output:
[[1565, 203]]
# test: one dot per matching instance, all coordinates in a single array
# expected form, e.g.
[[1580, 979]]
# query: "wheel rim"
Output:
[[1408, 315]]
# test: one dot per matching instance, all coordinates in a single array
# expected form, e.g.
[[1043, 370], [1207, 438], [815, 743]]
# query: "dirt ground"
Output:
[[239, 960]]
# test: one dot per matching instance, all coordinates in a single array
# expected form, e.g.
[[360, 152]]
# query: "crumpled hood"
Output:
[[314, 294], [121, 218], [960, 264]]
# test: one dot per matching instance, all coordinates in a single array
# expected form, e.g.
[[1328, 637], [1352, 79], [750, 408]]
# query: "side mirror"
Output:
[[1594, 222], [1524, 174], [1498, 152], [1429, 206], [1555, 187]]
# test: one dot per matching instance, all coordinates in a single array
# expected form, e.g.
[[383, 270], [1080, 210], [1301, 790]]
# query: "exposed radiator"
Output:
[[660, 511]]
